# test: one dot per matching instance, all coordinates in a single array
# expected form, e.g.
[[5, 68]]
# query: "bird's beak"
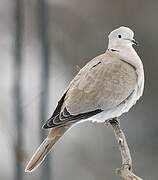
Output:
[[134, 42]]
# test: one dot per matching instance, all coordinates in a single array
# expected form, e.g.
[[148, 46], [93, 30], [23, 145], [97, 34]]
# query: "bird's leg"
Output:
[[113, 120]]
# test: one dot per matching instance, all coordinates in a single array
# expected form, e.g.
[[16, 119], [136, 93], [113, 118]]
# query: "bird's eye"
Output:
[[119, 36]]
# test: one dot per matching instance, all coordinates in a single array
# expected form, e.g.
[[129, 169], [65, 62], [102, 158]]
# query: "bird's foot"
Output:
[[113, 120]]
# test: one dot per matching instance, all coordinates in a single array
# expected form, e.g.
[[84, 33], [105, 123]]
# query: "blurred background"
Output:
[[41, 44]]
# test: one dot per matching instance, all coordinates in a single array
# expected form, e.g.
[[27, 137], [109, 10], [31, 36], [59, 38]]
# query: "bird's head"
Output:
[[120, 38]]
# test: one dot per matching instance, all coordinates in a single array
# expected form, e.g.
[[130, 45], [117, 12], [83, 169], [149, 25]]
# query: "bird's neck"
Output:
[[129, 55]]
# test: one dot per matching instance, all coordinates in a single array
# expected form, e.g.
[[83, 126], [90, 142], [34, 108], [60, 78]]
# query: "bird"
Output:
[[105, 88]]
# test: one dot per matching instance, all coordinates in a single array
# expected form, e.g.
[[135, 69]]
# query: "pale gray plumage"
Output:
[[108, 86], [103, 83]]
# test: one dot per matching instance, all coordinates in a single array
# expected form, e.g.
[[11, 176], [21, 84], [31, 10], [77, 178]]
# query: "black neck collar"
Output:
[[114, 50]]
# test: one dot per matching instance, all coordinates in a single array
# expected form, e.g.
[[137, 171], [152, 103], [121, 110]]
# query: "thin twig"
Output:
[[126, 170]]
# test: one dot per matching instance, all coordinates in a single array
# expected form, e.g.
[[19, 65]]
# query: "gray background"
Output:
[[78, 32]]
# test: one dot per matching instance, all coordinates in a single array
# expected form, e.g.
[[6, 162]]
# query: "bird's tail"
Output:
[[45, 147]]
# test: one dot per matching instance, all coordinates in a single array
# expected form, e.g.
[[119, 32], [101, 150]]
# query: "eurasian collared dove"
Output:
[[108, 86]]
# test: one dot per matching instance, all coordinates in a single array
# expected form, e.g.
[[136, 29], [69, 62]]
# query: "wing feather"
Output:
[[102, 84]]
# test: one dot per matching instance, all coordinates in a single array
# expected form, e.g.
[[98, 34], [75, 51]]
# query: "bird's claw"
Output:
[[113, 120]]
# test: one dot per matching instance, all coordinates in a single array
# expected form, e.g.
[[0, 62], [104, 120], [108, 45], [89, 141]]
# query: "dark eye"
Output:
[[119, 36]]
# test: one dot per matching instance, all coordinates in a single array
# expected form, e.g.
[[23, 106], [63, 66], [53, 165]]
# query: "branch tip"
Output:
[[126, 170]]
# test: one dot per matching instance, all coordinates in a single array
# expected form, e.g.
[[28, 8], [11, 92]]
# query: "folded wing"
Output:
[[102, 84]]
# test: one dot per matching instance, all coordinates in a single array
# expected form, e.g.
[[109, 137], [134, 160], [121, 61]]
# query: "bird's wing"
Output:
[[102, 84]]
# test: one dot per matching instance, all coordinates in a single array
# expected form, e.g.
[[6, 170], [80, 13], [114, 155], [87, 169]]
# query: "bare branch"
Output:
[[126, 170]]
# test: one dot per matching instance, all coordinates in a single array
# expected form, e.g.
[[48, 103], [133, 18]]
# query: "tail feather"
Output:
[[45, 148]]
